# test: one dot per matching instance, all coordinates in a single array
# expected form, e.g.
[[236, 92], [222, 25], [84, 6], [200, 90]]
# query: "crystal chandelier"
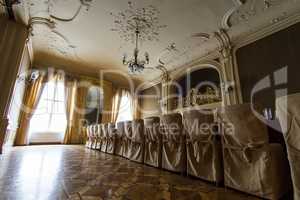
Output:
[[135, 64]]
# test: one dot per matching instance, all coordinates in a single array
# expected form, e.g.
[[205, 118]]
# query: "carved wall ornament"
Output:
[[225, 47], [225, 21]]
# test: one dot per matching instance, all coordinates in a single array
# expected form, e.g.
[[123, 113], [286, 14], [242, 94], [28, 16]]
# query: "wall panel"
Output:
[[263, 58], [12, 41]]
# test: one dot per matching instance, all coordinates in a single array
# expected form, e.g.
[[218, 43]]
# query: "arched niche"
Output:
[[197, 86]]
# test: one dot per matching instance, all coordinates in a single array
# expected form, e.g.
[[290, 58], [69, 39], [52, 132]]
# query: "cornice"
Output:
[[147, 85], [266, 31]]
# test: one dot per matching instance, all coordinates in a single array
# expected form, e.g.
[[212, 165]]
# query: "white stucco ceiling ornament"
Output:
[[247, 9], [169, 56], [57, 9], [145, 20], [44, 18], [59, 45], [137, 25]]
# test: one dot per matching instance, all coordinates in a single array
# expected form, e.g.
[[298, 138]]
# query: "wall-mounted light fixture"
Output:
[[28, 77]]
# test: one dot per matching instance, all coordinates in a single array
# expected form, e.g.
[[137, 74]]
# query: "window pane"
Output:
[[39, 123], [50, 115], [58, 123]]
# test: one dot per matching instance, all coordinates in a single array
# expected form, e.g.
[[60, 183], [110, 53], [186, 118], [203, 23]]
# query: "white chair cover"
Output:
[[174, 147], [251, 164], [127, 139], [288, 113], [120, 137], [136, 150], [88, 139], [153, 142], [204, 149], [111, 139], [94, 136], [104, 137], [98, 138]]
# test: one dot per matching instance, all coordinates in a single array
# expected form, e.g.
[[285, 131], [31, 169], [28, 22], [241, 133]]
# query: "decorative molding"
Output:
[[201, 65], [40, 20], [65, 47], [225, 20], [224, 43], [164, 77], [172, 52], [145, 20], [244, 11], [271, 28], [262, 33], [86, 3], [147, 85]]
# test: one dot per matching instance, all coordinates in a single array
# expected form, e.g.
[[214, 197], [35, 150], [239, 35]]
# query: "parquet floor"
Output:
[[74, 172]]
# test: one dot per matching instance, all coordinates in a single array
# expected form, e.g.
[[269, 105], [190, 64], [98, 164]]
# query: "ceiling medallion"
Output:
[[134, 25]]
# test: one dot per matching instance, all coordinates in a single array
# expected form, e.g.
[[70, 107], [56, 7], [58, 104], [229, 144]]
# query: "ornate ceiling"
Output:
[[77, 34]]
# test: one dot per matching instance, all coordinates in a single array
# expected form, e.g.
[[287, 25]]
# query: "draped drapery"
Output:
[[132, 104], [30, 102], [77, 136], [70, 101], [108, 91], [75, 110], [135, 107], [116, 105]]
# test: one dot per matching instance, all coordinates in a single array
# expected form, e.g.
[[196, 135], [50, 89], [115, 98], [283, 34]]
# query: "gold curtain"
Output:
[[30, 102], [116, 105], [70, 100], [108, 91], [135, 106], [77, 135]]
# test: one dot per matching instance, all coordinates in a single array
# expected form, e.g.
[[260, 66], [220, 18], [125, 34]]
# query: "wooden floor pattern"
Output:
[[74, 172]]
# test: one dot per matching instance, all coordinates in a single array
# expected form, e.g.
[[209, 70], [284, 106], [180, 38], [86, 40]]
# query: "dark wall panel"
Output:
[[263, 57]]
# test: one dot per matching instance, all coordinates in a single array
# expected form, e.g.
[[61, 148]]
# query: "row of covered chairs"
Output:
[[126, 139], [229, 145]]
